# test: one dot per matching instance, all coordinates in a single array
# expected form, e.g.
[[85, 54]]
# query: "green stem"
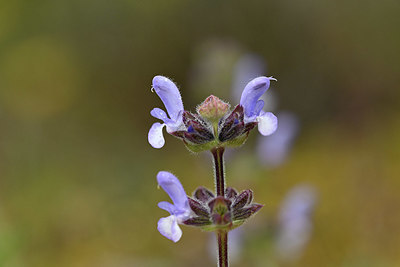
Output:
[[222, 236]]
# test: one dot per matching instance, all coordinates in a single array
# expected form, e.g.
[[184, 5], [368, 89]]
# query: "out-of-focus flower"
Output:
[[180, 210], [248, 67], [274, 149], [170, 96], [211, 70], [252, 105], [294, 222]]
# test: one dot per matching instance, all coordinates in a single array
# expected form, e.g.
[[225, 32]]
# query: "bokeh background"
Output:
[[77, 176]]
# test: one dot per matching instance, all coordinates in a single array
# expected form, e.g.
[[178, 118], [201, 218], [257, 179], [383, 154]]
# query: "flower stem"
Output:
[[219, 170], [222, 236]]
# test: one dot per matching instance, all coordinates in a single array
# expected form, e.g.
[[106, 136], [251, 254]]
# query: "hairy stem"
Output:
[[218, 154], [222, 236]]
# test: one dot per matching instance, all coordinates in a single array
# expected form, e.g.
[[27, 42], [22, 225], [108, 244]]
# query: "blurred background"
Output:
[[78, 177]]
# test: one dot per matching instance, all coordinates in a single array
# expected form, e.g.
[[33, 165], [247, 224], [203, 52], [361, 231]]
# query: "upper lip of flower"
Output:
[[252, 105], [170, 96], [250, 99], [174, 189]]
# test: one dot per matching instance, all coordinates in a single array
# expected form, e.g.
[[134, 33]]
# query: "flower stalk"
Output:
[[218, 156], [222, 235]]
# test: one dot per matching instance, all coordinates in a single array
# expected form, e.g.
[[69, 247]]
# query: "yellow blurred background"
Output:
[[78, 178]]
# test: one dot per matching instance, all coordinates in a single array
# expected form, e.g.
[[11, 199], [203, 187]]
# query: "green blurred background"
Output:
[[77, 176]]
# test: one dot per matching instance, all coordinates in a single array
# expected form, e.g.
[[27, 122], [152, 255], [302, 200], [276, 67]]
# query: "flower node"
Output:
[[220, 212], [214, 125]]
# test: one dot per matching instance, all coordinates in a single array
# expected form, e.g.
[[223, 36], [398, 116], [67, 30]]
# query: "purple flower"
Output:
[[295, 224], [180, 210], [252, 104], [170, 96], [274, 149], [248, 67]]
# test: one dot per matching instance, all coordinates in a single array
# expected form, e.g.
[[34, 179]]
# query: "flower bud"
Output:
[[213, 108]]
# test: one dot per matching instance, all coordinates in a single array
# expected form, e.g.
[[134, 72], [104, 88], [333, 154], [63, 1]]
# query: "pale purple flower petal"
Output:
[[159, 114], [155, 136], [295, 224], [258, 107], [174, 189], [174, 125], [170, 96], [167, 206], [168, 227], [267, 123], [252, 92]]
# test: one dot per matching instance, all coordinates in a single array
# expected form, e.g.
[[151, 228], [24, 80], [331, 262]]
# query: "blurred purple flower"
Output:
[[252, 105], [274, 149], [294, 220], [180, 210], [248, 67], [170, 96]]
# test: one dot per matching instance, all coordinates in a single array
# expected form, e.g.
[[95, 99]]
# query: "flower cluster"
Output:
[[203, 210], [213, 127], [221, 212], [214, 124]]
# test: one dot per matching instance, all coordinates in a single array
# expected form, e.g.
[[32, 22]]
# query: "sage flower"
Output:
[[252, 105], [170, 96], [180, 210]]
